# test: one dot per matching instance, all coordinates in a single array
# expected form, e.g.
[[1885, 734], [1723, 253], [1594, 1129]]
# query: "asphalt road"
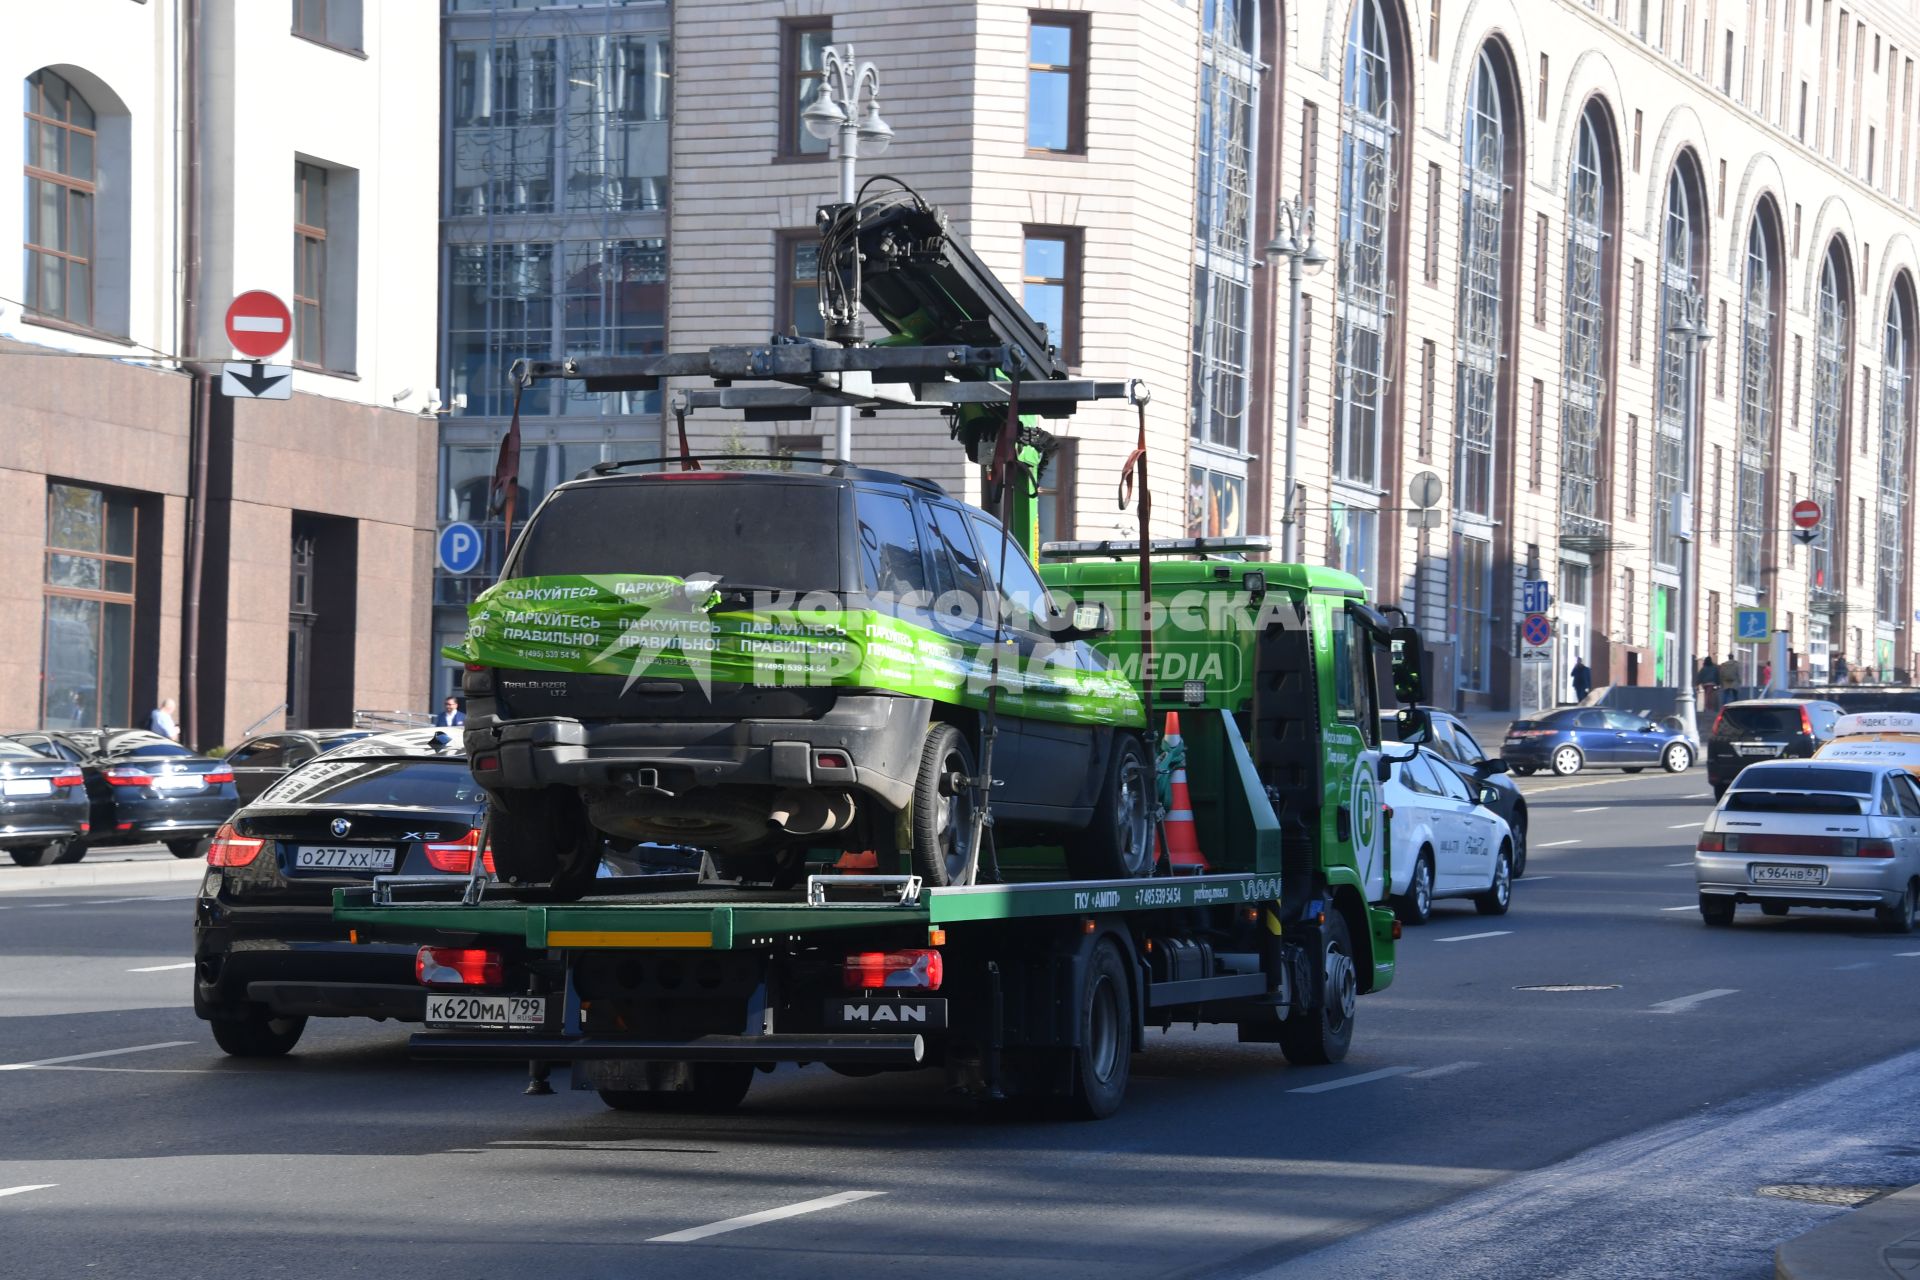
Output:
[[1479, 1128]]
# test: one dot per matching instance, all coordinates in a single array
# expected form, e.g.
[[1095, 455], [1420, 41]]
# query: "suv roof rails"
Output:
[[1116, 548], [827, 467]]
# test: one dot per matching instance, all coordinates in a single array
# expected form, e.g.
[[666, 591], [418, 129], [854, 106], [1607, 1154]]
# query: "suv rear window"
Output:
[[742, 531], [431, 784], [1742, 721], [1790, 777]]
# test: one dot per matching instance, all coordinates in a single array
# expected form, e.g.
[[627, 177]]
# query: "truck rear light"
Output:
[[1711, 842], [877, 970], [457, 855], [220, 778], [128, 775], [458, 967], [229, 848], [70, 780], [1874, 849]]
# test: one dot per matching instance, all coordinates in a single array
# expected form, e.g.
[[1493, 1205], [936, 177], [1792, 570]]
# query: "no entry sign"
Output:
[[1806, 513], [258, 324]]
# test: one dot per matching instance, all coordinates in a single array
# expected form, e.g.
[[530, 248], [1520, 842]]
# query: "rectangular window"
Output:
[[1050, 285], [1800, 130], [1726, 70], [1433, 224], [86, 656], [1309, 151], [1796, 230], [803, 48], [797, 304], [1638, 120], [60, 200], [1719, 493], [1543, 87], [1793, 498], [1427, 358], [1873, 141], [1860, 539], [1056, 82], [1633, 465], [1540, 271], [1798, 368], [1720, 199], [1055, 498], [1433, 29], [310, 265], [1538, 463], [1639, 299], [1626, 602], [1720, 356], [329, 22]]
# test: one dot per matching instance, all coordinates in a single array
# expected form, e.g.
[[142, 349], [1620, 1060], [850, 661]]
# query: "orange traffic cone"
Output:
[[1181, 844]]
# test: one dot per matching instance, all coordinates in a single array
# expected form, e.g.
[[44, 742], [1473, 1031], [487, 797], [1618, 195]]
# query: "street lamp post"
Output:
[[846, 111], [1691, 325], [1294, 242]]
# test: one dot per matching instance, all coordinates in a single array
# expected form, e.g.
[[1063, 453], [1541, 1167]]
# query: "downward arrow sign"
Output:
[[258, 381]]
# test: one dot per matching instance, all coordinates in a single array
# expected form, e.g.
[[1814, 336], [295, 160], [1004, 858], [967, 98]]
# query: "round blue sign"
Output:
[[460, 547]]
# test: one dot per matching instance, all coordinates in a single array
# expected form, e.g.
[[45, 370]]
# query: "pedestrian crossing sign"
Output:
[[1751, 626]]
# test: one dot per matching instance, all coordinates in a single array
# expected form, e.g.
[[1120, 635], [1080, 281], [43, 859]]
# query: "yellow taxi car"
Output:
[[1876, 738]]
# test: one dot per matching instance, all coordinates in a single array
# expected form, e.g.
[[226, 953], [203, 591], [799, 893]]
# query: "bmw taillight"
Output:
[[128, 775], [229, 848], [458, 967], [877, 970], [457, 855]]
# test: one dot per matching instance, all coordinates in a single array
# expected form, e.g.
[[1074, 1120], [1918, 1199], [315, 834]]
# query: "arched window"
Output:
[[1829, 422], [1584, 384], [62, 188], [1483, 217], [1896, 422], [1759, 345], [1680, 260], [1367, 172], [1224, 262]]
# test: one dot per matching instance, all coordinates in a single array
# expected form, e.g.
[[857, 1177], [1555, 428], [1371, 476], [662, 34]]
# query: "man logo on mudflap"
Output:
[[894, 1012]]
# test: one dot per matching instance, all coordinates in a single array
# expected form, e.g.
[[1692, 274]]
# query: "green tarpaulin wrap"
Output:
[[649, 625]]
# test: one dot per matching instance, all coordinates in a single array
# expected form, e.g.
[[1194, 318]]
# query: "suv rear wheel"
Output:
[[541, 838], [943, 806], [1118, 843]]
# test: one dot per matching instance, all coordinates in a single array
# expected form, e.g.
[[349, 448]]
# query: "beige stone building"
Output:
[[1519, 198], [263, 562]]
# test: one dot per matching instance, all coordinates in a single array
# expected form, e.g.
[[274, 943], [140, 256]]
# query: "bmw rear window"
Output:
[[1763, 777], [758, 533], [408, 783]]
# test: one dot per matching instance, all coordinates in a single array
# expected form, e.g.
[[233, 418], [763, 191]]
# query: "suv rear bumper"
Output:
[[879, 737]]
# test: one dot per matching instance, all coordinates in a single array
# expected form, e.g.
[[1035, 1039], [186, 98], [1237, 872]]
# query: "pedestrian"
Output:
[[1766, 676], [163, 721], [449, 714], [1706, 680], [1839, 671], [1582, 679]]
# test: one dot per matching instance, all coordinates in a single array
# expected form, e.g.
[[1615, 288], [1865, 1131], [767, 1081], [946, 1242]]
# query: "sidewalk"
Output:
[[1877, 1240], [87, 874]]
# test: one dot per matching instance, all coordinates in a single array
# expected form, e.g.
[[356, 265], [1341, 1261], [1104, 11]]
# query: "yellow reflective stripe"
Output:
[[620, 938]]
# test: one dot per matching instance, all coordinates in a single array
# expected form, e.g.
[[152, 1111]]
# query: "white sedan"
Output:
[[1444, 842]]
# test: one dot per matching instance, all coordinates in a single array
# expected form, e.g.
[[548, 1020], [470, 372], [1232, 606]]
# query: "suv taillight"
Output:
[[1718, 720], [457, 855], [477, 681], [229, 848], [1806, 722]]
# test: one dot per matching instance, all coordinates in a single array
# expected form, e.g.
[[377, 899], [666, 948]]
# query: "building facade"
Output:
[[264, 562], [1607, 277]]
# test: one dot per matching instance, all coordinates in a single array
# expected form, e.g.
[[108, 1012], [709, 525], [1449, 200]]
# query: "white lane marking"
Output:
[[101, 1053], [1473, 937], [1432, 1073], [1599, 808], [1692, 906], [1687, 863], [1864, 964], [1532, 879], [144, 1071], [833, 1201], [1682, 826], [1365, 1077], [162, 968], [1555, 844], [1907, 953], [1680, 1004], [1701, 795], [31, 1186]]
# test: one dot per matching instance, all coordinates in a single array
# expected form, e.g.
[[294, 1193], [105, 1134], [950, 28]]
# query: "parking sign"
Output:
[[460, 547]]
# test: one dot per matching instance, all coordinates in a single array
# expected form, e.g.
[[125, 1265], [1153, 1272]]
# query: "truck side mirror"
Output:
[[1416, 726], [1409, 663]]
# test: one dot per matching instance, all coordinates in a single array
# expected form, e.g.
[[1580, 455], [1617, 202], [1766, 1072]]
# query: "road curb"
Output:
[[1877, 1239], [82, 875]]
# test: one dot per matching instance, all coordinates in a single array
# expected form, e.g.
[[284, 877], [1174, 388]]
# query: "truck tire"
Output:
[[717, 1087], [542, 844], [1104, 1061], [1317, 1037], [1119, 843], [257, 1034], [1415, 906], [942, 806]]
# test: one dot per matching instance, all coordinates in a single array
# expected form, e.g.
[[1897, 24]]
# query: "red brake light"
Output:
[[229, 848], [458, 967], [70, 780], [220, 778], [874, 970], [457, 855], [1806, 722], [1711, 842], [129, 775], [1874, 849], [1719, 719]]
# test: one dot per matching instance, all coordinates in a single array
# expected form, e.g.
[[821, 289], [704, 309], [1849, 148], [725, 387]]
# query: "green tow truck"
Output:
[[1003, 965]]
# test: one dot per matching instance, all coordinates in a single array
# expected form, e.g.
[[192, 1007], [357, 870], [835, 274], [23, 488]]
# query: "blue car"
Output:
[[1576, 738]]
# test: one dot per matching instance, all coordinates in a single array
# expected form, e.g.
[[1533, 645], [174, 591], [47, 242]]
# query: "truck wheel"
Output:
[[1118, 843], [942, 806], [1415, 906], [256, 1035], [717, 1087], [542, 844], [1499, 894], [1104, 1060], [1316, 1037]]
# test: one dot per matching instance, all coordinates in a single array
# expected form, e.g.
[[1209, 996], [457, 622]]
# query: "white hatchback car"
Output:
[[1814, 833], [1443, 841]]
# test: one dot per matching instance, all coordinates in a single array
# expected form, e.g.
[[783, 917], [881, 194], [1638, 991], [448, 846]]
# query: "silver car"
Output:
[[1814, 833]]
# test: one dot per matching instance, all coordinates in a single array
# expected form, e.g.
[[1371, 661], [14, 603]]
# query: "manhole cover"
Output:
[[1816, 1193], [1571, 986]]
